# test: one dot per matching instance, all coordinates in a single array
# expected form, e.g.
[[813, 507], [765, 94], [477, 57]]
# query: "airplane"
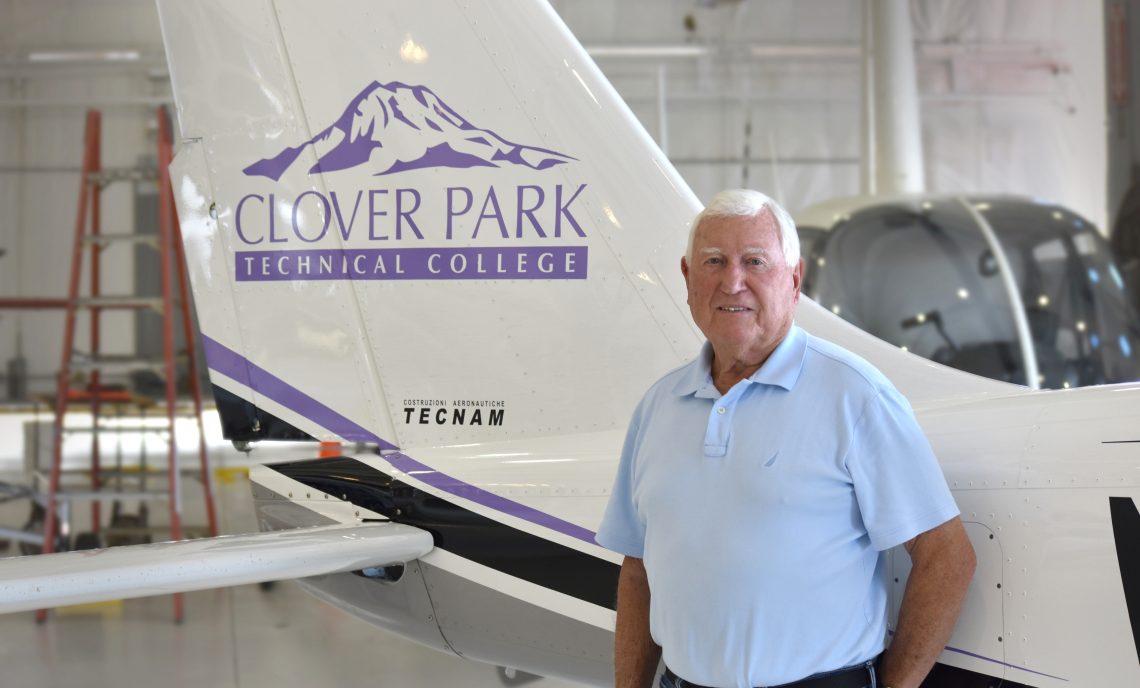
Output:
[[435, 228]]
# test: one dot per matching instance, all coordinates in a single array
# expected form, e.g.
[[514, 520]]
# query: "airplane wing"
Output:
[[41, 581]]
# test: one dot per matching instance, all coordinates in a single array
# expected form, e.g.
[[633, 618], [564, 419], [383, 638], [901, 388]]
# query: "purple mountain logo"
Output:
[[396, 127]]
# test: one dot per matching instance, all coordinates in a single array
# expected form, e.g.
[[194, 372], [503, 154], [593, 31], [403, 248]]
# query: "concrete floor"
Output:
[[232, 637]]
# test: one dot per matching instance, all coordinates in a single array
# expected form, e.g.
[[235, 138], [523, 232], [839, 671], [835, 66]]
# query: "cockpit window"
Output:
[[1083, 327], [926, 279]]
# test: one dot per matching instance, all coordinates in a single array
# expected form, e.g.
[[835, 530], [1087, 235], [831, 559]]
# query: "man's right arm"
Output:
[[635, 654]]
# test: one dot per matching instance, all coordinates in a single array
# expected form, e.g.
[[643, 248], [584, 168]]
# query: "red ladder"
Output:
[[88, 235]]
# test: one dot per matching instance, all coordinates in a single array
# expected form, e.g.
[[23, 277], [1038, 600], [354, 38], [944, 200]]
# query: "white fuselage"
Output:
[[1032, 475]]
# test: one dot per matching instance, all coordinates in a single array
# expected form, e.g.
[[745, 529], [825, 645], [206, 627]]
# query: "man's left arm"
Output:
[[943, 563]]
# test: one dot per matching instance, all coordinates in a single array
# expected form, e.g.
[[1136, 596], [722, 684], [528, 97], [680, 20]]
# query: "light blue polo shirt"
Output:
[[762, 514]]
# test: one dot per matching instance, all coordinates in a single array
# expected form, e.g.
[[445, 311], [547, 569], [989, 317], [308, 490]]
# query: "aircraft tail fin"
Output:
[[428, 222], [437, 223]]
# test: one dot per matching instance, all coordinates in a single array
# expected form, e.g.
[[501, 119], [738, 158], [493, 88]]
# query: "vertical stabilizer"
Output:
[[435, 221]]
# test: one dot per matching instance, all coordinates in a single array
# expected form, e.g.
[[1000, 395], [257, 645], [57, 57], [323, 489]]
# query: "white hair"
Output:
[[749, 203]]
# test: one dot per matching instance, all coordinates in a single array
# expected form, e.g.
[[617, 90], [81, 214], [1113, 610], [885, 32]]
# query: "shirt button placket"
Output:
[[720, 424]]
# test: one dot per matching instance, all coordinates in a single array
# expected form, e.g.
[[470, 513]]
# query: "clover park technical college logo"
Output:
[[396, 127], [410, 232]]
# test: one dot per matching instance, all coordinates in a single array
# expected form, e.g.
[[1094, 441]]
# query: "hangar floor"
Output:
[[232, 637]]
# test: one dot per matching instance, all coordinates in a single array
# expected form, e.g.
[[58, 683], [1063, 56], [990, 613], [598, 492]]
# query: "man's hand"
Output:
[[943, 563], [635, 653]]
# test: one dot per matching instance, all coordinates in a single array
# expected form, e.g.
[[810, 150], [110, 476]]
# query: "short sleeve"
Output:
[[622, 529], [898, 483]]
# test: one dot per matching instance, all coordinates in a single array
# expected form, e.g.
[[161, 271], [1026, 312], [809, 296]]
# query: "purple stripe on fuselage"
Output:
[[999, 662], [1004, 664], [491, 500], [225, 361], [235, 366]]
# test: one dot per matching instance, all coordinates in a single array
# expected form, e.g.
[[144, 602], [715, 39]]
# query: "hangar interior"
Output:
[[1028, 97]]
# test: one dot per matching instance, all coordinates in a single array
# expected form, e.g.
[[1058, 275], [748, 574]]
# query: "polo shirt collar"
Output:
[[782, 369]]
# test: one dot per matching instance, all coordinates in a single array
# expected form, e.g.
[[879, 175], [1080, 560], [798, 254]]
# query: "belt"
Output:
[[858, 676]]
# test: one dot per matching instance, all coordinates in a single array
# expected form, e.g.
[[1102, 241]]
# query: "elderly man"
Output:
[[760, 485]]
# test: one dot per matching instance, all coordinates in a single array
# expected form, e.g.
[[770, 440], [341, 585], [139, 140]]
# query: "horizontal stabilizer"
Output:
[[51, 580]]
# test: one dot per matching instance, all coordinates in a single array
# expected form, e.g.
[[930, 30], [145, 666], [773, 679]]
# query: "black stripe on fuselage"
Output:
[[1126, 531], [507, 549], [946, 676], [461, 531], [244, 422]]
